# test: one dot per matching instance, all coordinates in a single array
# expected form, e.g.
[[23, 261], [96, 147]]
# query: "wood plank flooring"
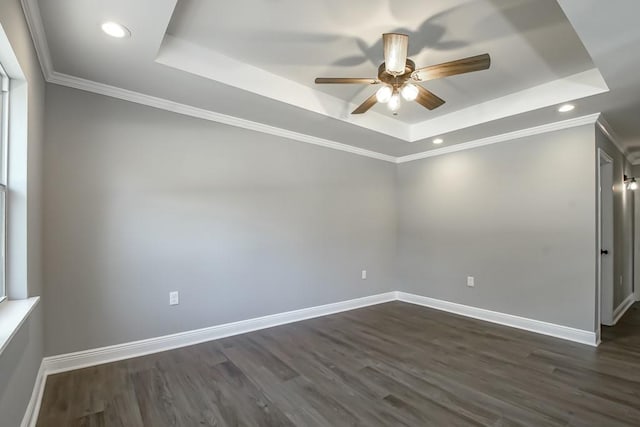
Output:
[[393, 364]]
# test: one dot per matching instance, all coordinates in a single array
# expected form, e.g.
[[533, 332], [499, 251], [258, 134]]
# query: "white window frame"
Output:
[[4, 154], [17, 305]]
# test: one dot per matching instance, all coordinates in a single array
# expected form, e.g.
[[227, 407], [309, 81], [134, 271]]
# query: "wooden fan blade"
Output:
[[347, 80], [461, 66], [366, 105], [427, 99]]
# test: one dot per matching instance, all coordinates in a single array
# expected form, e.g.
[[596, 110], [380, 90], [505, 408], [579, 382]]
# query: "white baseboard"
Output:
[[33, 408], [558, 331], [623, 307], [82, 359]]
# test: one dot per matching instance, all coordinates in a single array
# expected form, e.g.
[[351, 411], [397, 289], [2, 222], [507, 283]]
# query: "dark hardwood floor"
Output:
[[393, 364]]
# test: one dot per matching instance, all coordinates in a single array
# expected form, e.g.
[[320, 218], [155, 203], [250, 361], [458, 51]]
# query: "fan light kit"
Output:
[[409, 92], [399, 77], [394, 102], [116, 30], [383, 95]]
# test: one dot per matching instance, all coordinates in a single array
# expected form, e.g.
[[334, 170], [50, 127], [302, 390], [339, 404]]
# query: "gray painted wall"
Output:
[[623, 211], [19, 364], [20, 361], [517, 216], [139, 202]]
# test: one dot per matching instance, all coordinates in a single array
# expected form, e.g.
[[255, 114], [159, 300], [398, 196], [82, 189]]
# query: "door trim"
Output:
[[602, 155]]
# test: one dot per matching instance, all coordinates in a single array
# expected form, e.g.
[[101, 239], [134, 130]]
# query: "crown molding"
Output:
[[606, 128], [553, 93], [36, 28], [505, 137], [34, 22], [164, 104], [187, 110]]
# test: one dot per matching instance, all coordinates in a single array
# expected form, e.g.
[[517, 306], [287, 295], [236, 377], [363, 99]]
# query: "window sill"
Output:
[[12, 316]]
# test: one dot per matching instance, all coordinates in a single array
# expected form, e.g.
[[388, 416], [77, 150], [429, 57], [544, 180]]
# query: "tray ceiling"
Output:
[[302, 40], [255, 60]]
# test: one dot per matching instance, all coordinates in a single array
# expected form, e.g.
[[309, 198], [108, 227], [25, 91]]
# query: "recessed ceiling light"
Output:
[[566, 108], [116, 30], [438, 141]]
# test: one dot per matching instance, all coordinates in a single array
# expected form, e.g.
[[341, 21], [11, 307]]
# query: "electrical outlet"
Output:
[[364, 274], [470, 281], [174, 298]]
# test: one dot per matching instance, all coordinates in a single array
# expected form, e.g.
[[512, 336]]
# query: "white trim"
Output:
[[34, 21], [505, 137], [537, 326], [601, 155], [12, 316], [203, 62], [187, 110], [33, 408], [623, 307], [163, 104], [82, 359], [598, 308], [606, 128], [92, 357], [550, 94], [36, 28]]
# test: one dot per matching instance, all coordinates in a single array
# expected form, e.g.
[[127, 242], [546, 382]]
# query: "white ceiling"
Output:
[[257, 59], [303, 40]]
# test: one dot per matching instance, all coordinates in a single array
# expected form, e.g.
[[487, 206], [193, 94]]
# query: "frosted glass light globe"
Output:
[[409, 92], [394, 102], [383, 95]]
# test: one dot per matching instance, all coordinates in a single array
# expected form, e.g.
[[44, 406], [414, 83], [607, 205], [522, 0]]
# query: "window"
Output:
[[4, 137]]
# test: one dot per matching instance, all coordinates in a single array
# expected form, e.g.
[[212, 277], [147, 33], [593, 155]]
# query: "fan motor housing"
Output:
[[396, 81]]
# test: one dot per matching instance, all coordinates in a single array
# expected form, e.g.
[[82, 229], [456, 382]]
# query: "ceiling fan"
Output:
[[399, 76]]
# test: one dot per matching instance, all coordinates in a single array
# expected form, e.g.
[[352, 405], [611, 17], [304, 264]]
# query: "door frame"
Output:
[[602, 157]]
